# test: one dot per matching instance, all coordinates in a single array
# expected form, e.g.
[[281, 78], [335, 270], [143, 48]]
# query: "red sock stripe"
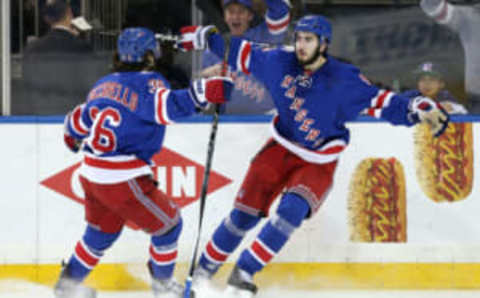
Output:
[[215, 254], [163, 257], [85, 256], [261, 252]]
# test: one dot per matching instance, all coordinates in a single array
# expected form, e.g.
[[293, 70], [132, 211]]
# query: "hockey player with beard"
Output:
[[119, 128], [315, 95]]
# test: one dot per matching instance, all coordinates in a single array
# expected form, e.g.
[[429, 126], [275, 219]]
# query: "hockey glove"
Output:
[[425, 110], [195, 37], [72, 143], [212, 90]]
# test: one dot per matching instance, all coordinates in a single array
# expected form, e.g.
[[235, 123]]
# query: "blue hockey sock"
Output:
[[226, 239], [276, 232], [88, 252], [163, 253]]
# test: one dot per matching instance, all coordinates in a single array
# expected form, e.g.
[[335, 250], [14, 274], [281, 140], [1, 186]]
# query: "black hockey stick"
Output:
[[206, 176]]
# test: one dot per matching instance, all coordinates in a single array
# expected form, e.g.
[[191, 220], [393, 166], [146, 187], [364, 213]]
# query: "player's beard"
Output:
[[311, 60]]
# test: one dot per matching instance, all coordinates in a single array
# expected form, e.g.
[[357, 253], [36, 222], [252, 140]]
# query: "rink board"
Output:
[[42, 215]]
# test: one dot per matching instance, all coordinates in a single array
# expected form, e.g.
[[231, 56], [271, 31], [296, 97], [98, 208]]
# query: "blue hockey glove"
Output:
[[425, 110], [215, 90]]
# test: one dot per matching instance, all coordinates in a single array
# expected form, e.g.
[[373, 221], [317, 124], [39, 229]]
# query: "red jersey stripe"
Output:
[[77, 113], [114, 165], [160, 107], [381, 99], [275, 27], [245, 55]]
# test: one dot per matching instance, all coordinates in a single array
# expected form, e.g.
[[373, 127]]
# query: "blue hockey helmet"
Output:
[[316, 24], [133, 43]]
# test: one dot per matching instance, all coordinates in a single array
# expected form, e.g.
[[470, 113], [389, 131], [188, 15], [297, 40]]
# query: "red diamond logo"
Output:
[[178, 177]]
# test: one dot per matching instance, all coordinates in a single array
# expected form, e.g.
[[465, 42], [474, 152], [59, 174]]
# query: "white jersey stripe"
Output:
[[161, 107], [309, 155]]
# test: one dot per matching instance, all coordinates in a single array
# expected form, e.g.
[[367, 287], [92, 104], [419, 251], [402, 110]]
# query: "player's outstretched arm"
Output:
[[395, 108], [169, 105], [245, 56]]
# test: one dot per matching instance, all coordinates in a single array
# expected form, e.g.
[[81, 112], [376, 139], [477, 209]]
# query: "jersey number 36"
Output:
[[102, 138]]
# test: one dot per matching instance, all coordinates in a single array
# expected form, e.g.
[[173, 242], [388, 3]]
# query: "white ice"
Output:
[[21, 289]]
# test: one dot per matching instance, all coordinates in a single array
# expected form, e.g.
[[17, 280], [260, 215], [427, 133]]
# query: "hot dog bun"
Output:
[[377, 205], [444, 165]]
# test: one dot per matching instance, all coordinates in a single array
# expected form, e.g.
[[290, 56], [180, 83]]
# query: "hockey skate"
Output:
[[201, 283], [240, 284], [201, 279], [168, 288], [66, 287]]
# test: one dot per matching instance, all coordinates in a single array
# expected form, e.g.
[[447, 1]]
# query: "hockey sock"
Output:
[[88, 252], [163, 253], [226, 239], [274, 234]]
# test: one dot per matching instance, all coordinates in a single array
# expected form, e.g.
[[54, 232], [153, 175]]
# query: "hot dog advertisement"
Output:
[[444, 165], [381, 224], [377, 204]]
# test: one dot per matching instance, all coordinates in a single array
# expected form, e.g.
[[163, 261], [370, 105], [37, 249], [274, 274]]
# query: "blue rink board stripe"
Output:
[[206, 119]]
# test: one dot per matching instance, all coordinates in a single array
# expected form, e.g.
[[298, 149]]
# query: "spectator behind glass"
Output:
[[465, 20], [59, 68], [430, 83], [249, 95]]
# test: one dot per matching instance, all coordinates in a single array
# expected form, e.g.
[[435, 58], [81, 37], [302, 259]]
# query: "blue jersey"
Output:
[[122, 123], [249, 95], [313, 107]]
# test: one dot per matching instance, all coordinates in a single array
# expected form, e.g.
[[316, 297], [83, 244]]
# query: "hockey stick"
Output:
[[167, 37], [206, 176]]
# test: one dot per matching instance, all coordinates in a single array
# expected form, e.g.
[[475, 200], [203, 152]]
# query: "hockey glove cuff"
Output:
[[215, 90]]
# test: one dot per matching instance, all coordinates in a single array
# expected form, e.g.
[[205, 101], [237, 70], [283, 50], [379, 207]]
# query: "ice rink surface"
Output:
[[20, 289]]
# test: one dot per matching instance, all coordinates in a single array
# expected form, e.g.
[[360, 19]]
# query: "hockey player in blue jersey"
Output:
[[249, 95], [315, 95], [119, 128]]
